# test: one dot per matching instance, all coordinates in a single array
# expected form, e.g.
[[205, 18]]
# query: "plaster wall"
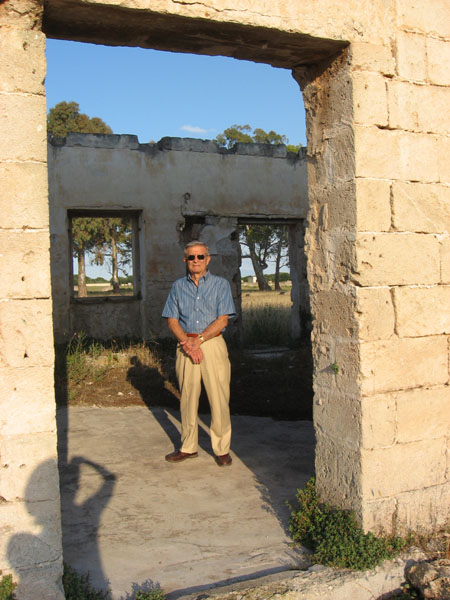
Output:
[[166, 182], [375, 78]]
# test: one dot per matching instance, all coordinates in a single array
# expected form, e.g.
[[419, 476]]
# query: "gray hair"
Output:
[[195, 243]]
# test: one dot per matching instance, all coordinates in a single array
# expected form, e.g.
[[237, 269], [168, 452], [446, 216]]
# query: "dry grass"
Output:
[[266, 318]]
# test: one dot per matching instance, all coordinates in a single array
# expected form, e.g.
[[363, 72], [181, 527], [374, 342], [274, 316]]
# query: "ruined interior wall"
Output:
[[30, 529], [167, 182]]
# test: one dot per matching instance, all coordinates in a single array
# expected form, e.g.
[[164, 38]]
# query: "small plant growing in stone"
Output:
[[335, 536], [335, 367], [78, 587], [7, 587]]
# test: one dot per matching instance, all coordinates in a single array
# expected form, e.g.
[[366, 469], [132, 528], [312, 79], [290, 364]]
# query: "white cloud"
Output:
[[194, 129]]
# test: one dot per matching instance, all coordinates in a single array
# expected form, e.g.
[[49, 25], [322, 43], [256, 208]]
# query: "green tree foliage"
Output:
[[244, 133], [65, 117], [115, 247]]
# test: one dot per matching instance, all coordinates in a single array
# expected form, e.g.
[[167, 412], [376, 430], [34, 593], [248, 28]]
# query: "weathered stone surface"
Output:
[[21, 409], [414, 423], [431, 578], [438, 54], [370, 98], [24, 324], [373, 205], [421, 207], [21, 14], [23, 128], [378, 422], [422, 310], [412, 156], [375, 312], [22, 61], [387, 472], [26, 273], [30, 533], [431, 18], [444, 252], [43, 582], [411, 56], [28, 469], [339, 417], [372, 57], [397, 259], [405, 363], [418, 107], [421, 510], [20, 184]]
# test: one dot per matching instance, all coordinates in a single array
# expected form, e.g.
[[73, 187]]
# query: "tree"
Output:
[[262, 241], [116, 247], [63, 118]]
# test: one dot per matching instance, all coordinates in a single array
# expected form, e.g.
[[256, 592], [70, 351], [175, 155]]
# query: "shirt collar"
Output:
[[205, 277]]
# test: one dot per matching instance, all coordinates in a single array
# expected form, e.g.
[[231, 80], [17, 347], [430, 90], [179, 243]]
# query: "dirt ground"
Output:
[[278, 385]]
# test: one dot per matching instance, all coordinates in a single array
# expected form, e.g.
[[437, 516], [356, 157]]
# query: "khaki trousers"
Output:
[[215, 371]]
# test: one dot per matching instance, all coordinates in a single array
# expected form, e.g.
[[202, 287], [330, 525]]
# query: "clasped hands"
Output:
[[192, 348]]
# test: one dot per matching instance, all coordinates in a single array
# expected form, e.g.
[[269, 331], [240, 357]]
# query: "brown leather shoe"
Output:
[[179, 456], [224, 460]]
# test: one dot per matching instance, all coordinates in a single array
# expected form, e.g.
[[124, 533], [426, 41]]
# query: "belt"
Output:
[[197, 334]]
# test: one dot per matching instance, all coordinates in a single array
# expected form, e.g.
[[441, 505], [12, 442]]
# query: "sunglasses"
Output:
[[192, 256]]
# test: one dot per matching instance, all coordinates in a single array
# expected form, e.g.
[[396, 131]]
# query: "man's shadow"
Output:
[[156, 393]]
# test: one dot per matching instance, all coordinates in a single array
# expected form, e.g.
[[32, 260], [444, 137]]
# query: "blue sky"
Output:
[[153, 94]]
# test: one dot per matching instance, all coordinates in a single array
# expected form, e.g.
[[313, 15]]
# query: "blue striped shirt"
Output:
[[197, 307]]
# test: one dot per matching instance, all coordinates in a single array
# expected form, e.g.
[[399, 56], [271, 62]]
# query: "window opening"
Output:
[[103, 248]]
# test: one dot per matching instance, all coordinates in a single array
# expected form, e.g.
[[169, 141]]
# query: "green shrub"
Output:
[[78, 587], [7, 587], [334, 535], [156, 593]]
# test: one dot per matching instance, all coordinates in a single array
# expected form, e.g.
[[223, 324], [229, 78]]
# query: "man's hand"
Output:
[[192, 348]]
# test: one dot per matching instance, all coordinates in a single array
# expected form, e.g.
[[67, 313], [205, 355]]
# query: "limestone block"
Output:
[[334, 310], [28, 468], [423, 414], [339, 416], [400, 364], [30, 533], [372, 57], [424, 509], [25, 331], [418, 107], [370, 98], [395, 154], [438, 54], [432, 16], [327, 351], [43, 582], [26, 272], [27, 404], [377, 515], [402, 467], [422, 310], [411, 56], [376, 313], [21, 14], [23, 128], [444, 248], [421, 207], [373, 205], [22, 61], [378, 421], [442, 158], [21, 185], [397, 259]]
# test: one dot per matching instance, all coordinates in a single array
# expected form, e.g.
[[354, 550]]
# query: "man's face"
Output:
[[197, 266]]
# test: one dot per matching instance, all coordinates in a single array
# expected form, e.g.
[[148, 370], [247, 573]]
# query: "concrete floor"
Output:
[[132, 519]]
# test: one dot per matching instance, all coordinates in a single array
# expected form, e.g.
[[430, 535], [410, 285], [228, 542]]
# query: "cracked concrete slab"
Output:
[[129, 517]]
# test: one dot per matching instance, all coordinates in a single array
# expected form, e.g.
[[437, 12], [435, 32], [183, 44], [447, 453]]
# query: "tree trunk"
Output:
[[277, 266], [82, 288], [262, 282], [115, 266]]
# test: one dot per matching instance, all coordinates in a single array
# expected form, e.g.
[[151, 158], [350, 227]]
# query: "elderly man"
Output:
[[197, 310]]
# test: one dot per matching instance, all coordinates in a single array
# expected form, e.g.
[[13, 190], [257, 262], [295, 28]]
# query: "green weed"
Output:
[[7, 587], [78, 587], [335, 536]]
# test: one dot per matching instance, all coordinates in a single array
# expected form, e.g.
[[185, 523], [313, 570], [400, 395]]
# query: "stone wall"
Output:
[[181, 188], [30, 527], [375, 77]]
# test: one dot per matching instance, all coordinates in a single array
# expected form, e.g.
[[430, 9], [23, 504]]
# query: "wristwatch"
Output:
[[201, 338]]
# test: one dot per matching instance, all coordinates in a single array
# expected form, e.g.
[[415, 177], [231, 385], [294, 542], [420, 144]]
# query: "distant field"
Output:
[[105, 289]]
